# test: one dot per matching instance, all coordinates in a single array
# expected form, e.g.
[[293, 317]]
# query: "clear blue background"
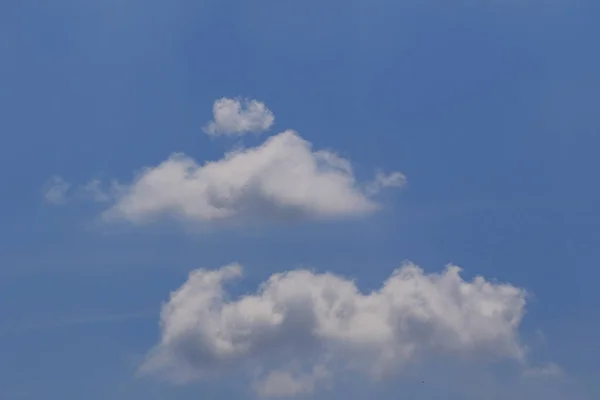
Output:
[[489, 107]]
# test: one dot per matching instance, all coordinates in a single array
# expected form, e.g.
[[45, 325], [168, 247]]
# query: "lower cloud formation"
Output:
[[300, 328]]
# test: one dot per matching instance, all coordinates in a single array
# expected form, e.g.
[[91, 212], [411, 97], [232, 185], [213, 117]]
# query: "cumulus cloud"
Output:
[[237, 117], [301, 327], [56, 190], [282, 176]]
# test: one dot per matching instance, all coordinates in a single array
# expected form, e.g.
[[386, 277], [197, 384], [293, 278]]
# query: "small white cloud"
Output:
[[382, 181], [545, 371], [289, 384], [324, 323], [56, 190], [237, 117], [280, 177]]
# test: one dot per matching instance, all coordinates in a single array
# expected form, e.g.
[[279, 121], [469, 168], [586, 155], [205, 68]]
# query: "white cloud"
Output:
[[56, 190], [382, 181], [284, 175], [237, 117], [290, 384], [301, 326]]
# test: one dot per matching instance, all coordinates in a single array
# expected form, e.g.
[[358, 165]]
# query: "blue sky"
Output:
[[489, 108]]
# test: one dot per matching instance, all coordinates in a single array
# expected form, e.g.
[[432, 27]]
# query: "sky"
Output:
[[305, 199]]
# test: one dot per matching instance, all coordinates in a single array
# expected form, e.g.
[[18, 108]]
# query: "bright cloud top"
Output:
[[282, 176], [237, 117], [300, 327]]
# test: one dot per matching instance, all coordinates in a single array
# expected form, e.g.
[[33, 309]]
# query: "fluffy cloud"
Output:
[[300, 327], [237, 117], [282, 176], [286, 384]]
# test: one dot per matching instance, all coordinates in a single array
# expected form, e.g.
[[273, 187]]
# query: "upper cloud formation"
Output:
[[238, 117], [282, 176], [300, 327]]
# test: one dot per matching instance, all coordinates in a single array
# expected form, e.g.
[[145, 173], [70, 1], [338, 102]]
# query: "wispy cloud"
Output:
[[545, 371], [59, 191], [55, 190]]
